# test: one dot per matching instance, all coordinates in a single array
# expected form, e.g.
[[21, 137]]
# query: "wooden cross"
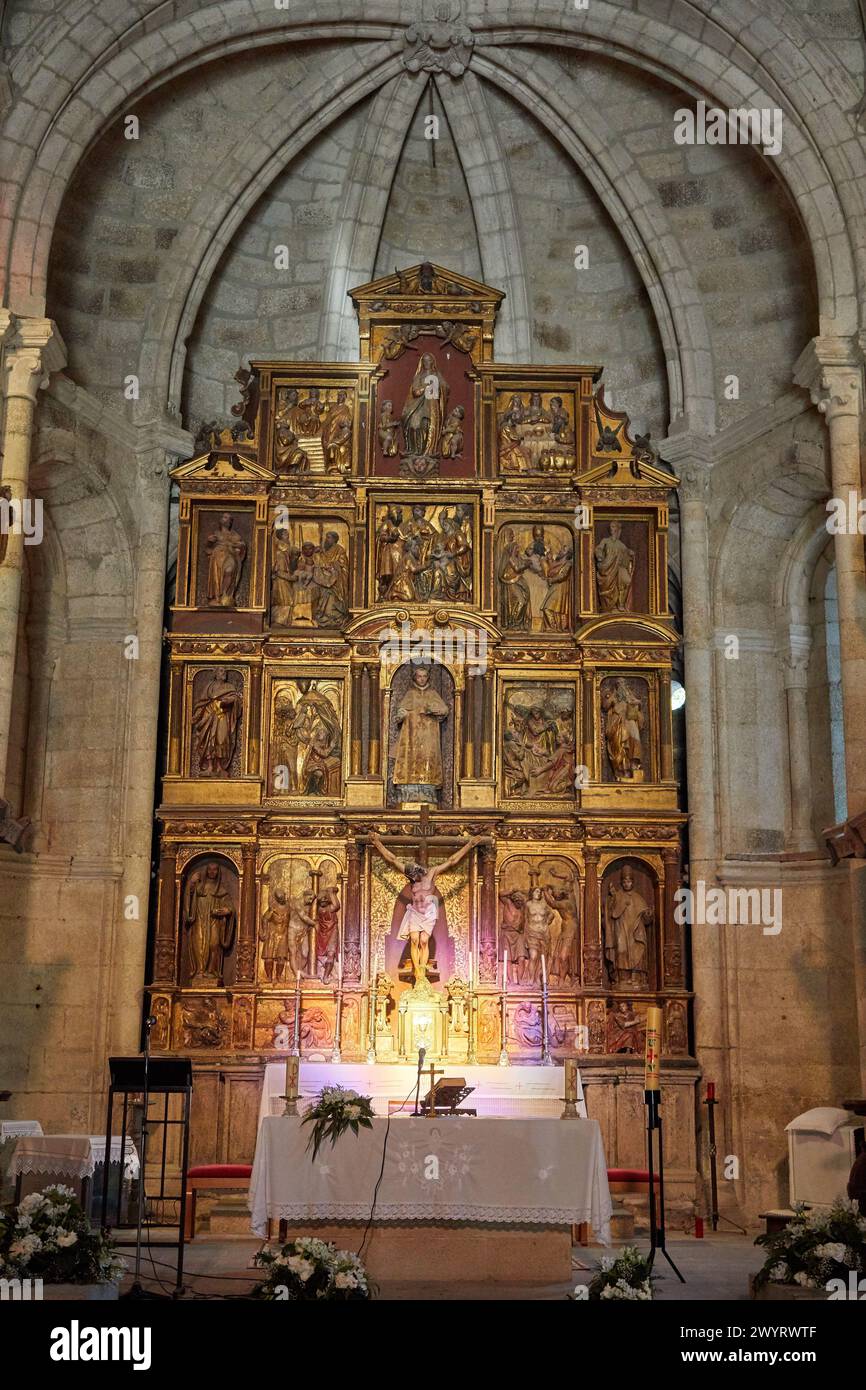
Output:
[[432, 1072], [421, 842]]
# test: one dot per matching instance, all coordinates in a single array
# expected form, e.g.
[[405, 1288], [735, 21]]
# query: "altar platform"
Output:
[[512, 1091], [486, 1198]]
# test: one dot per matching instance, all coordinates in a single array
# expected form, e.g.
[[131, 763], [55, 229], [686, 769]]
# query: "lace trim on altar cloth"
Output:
[[429, 1211]]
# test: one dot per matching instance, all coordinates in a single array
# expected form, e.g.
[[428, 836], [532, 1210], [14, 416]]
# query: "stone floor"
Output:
[[716, 1267]]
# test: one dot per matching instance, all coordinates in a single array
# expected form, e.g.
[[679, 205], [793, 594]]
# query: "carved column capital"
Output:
[[831, 370], [33, 349]]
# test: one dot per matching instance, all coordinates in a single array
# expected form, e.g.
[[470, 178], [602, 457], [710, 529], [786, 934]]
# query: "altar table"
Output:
[[527, 1179], [518, 1091]]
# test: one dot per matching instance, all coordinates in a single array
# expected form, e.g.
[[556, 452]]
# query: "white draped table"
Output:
[[515, 1172]]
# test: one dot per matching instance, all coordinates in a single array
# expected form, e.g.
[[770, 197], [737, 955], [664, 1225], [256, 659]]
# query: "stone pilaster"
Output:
[[32, 350]]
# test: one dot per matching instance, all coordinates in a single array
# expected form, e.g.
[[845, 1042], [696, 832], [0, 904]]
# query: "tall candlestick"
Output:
[[503, 1049], [653, 1048], [543, 970], [505, 968], [470, 969], [292, 1073], [297, 1038]]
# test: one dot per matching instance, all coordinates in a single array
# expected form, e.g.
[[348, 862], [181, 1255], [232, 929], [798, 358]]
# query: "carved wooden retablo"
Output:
[[419, 710]]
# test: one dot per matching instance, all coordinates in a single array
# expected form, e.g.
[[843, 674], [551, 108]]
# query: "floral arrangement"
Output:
[[308, 1269], [627, 1276], [335, 1111], [48, 1236], [815, 1247]]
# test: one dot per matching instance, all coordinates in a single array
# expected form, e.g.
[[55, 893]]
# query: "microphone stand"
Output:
[[422, 1052], [137, 1291]]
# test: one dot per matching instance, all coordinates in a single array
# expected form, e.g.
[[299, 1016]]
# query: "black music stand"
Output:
[[145, 1076]]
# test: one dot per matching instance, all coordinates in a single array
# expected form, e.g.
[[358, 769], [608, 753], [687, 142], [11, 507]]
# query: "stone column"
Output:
[[46, 641], [32, 350], [831, 370], [796, 676], [160, 445]]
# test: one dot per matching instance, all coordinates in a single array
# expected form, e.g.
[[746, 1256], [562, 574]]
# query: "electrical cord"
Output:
[[369, 1225]]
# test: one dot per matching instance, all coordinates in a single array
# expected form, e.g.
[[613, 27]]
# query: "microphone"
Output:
[[150, 1022], [422, 1053]]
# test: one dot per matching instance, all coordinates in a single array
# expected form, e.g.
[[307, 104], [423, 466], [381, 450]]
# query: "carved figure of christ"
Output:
[[420, 916]]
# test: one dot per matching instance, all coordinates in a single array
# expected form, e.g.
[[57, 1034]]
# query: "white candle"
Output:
[[470, 969], [543, 971], [505, 968]]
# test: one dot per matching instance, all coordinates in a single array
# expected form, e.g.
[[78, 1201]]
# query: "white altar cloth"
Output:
[[506, 1091], [517, 1172], [70, 1155]]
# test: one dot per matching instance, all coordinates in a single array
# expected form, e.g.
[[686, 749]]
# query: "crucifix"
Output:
[[421, 914]]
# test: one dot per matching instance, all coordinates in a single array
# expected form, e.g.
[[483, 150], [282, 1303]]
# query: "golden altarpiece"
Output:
[[421, 616]]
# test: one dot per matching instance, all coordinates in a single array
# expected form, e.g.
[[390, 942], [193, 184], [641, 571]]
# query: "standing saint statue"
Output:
[[614, 571], [418, 770], [627, 916], [623, 722], [209, 916], [424, 408], [275, 936], [214, 724], [422, 912], [226, 549]]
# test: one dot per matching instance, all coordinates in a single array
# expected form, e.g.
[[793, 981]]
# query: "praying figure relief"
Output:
[[215, 719], [627, 919], [226, 550], [614, 572], [209, 918], [622, 711]]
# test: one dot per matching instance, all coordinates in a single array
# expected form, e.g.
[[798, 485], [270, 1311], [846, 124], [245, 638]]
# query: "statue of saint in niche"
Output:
[[215, 720], [210, 917], [418, 768], [627, 917], [226, 550], [424, 409], [623, 723], [614, 571], [422, 911]]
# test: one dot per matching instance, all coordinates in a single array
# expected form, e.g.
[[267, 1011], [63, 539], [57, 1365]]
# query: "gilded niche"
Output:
[[299, 927], [310, 574], [209, 914], [217, 705], [424, 421], [538, 916], [421, 735], [313, 430], [538, 740], [423, 552], [222, 578], [628, 913], [535, 431], [535, 577], [307, 738], [625, 714]]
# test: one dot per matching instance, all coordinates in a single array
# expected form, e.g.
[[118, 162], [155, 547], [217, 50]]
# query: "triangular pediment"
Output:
[[424, 281], [238, 464]]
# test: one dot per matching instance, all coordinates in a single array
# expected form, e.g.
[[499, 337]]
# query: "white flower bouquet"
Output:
[[626, 1276], [310, 1270], [48, 1236], [335, 1111], [815, 1247]]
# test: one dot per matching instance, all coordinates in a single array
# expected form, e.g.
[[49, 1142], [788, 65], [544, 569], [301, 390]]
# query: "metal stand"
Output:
[[715, 1215], [657, 1217], [142, 1076]]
